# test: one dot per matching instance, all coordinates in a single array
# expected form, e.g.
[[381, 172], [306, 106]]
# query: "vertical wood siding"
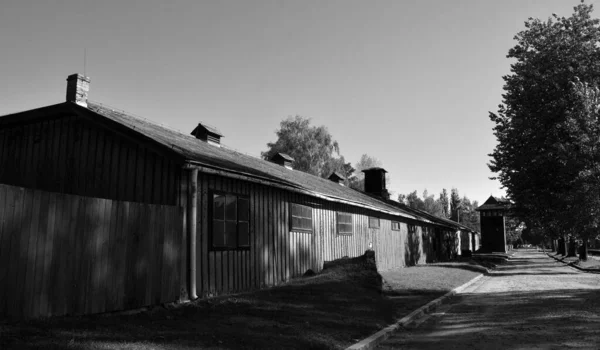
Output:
[[63, 254], [74, 156], [277, 254]]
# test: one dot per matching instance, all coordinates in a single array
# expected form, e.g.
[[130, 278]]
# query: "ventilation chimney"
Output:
[[283, 160], [78, 87], [208, 134], [375, 182], [337, 178]]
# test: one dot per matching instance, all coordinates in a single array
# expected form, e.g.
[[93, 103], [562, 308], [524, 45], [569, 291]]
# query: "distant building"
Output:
[[493, 224]]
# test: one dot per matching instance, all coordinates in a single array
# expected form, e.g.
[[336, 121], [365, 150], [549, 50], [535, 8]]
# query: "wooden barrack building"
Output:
[[104, 211]]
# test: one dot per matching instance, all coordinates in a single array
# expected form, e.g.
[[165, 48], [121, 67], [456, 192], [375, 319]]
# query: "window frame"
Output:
[[378, 222], [337, 224], [211, 219], [392, 225], [291, 216]]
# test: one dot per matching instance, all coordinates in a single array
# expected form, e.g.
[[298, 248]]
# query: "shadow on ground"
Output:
[[330, 310], [533, 319]]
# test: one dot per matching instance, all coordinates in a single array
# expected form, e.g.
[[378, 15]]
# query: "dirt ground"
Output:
[[532, 302]]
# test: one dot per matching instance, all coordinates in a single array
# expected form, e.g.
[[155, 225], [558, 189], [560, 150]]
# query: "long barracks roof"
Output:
[[200, 153]]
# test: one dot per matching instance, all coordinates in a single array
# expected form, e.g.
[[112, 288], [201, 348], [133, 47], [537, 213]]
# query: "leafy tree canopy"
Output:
[[313, 148], [463, 208], [540, 158]]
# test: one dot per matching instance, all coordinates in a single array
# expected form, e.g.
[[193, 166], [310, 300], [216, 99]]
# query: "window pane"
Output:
[[296, 210], [243, 234], [307, 224], [307, 212], [230, 208], [345, 218], [295, 222], [230, 234], [218, 237], [243, 209], [345, 228], [373, 222], [218, 208]]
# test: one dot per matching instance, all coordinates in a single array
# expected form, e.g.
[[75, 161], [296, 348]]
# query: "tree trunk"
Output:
[[561, 246], [583, 251], [553, 243], [572, 247]]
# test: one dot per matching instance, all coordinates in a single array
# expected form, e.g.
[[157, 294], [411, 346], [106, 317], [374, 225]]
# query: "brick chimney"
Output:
[[78, 87], [375, 182]]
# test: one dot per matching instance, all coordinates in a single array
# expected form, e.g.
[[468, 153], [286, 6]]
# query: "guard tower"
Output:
[[493, 230]]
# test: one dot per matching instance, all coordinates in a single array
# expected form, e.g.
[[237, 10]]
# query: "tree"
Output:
[[454, 205], [583, 152], [534, 159], [312, 148], [514, 230], [431, 205], [339, 165], [444, 203], [413, 201], [467, 214]]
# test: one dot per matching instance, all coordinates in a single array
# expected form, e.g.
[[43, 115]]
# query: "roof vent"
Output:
[[208, 134], [337, 177], [78, 87], [283, 160], [375, 182]]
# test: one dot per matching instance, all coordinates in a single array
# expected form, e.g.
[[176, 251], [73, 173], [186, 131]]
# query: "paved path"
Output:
[[532, 302]]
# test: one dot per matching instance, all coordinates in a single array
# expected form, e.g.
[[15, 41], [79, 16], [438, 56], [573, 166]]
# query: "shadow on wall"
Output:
[[412, 249], [451, 246], [79, 255]]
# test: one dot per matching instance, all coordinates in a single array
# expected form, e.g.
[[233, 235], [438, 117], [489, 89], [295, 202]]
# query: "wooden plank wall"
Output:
[[275, 253], [64, 254], [74, 156]]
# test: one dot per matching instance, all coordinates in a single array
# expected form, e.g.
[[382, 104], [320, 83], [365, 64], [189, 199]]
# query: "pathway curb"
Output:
[[372, 341], [574, 266]]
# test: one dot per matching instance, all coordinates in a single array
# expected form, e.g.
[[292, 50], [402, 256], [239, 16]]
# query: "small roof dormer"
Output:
[[337, 178], [283, 160], [208, 134]]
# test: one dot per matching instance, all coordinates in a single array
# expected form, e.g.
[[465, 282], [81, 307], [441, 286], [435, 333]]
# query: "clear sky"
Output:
[[408, 82]]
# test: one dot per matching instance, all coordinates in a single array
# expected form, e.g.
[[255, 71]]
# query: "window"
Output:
[[344, 224], [395, 226], [373, 222], [300, 218], [230, 222]]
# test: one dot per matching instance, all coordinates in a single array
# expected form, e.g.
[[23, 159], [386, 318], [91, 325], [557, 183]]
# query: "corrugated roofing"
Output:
[[195, 150], [199, 152]]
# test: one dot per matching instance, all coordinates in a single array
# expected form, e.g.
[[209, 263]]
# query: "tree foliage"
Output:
[[547, 136], [444, 203], [454, 204], [464, 209], [313, 148]]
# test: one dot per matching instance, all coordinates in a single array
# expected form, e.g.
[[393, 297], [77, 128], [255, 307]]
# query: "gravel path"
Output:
[[532, 302]]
